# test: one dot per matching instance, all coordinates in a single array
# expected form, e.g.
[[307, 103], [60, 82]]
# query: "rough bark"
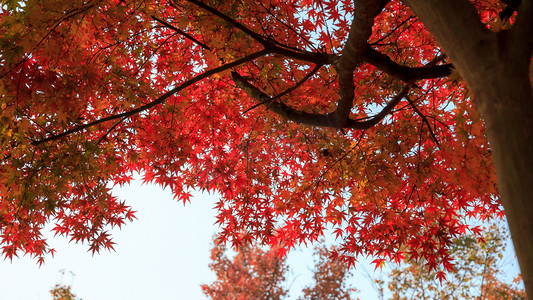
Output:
[[495, 68]]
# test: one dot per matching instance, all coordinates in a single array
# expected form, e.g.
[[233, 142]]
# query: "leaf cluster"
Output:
[[301, 115]]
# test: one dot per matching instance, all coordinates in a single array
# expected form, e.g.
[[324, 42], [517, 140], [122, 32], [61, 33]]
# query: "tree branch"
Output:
[[313, 119], [234, 23], [312, 57], [157, 101], [274, 47], [392, 31], [289, 27], [424, 120], [166, 24], [292, 88], [280, 108], [382, 114], [365, 11], [405, 73], [110, 130]]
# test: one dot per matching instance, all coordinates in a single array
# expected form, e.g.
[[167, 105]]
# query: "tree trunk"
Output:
[[507, 108], [495, 66]]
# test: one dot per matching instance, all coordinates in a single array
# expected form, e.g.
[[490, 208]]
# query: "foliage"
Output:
[[296, 120], [330, 278], [259, 273], [62, 292], [477, 273], [252, 274]]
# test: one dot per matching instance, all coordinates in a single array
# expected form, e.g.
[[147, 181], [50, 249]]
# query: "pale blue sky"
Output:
[[164, 254]]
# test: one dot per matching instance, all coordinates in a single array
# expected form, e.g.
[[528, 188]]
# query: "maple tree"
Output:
[[62, 292], [256, 272], [301, 114], [252, 273], [330, 278], [477, 275]]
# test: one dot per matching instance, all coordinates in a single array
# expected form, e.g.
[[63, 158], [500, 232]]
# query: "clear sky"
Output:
[[164, 254]]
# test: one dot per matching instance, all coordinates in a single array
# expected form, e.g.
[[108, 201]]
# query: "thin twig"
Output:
[[159, 100], [424, 119], [392, 31], [231, 21], [69, 15], [166, 24], [289, 27], [292, 88], [109, 131], [153, 53]]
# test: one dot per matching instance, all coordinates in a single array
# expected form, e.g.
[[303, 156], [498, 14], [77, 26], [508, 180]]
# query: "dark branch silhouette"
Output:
[[157, 101], [287, 91], [314, 119], [166, 24]]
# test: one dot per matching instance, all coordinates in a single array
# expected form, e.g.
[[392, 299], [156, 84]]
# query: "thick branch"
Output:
[[520, 42], [405, 73], [352, 54], [274, 47], [281, 109], [231, 21], [312, 57], [157, 101], [313, 119]]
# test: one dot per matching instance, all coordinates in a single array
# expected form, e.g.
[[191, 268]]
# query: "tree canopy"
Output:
[[256, 273], [301, 114], [479, 272]]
